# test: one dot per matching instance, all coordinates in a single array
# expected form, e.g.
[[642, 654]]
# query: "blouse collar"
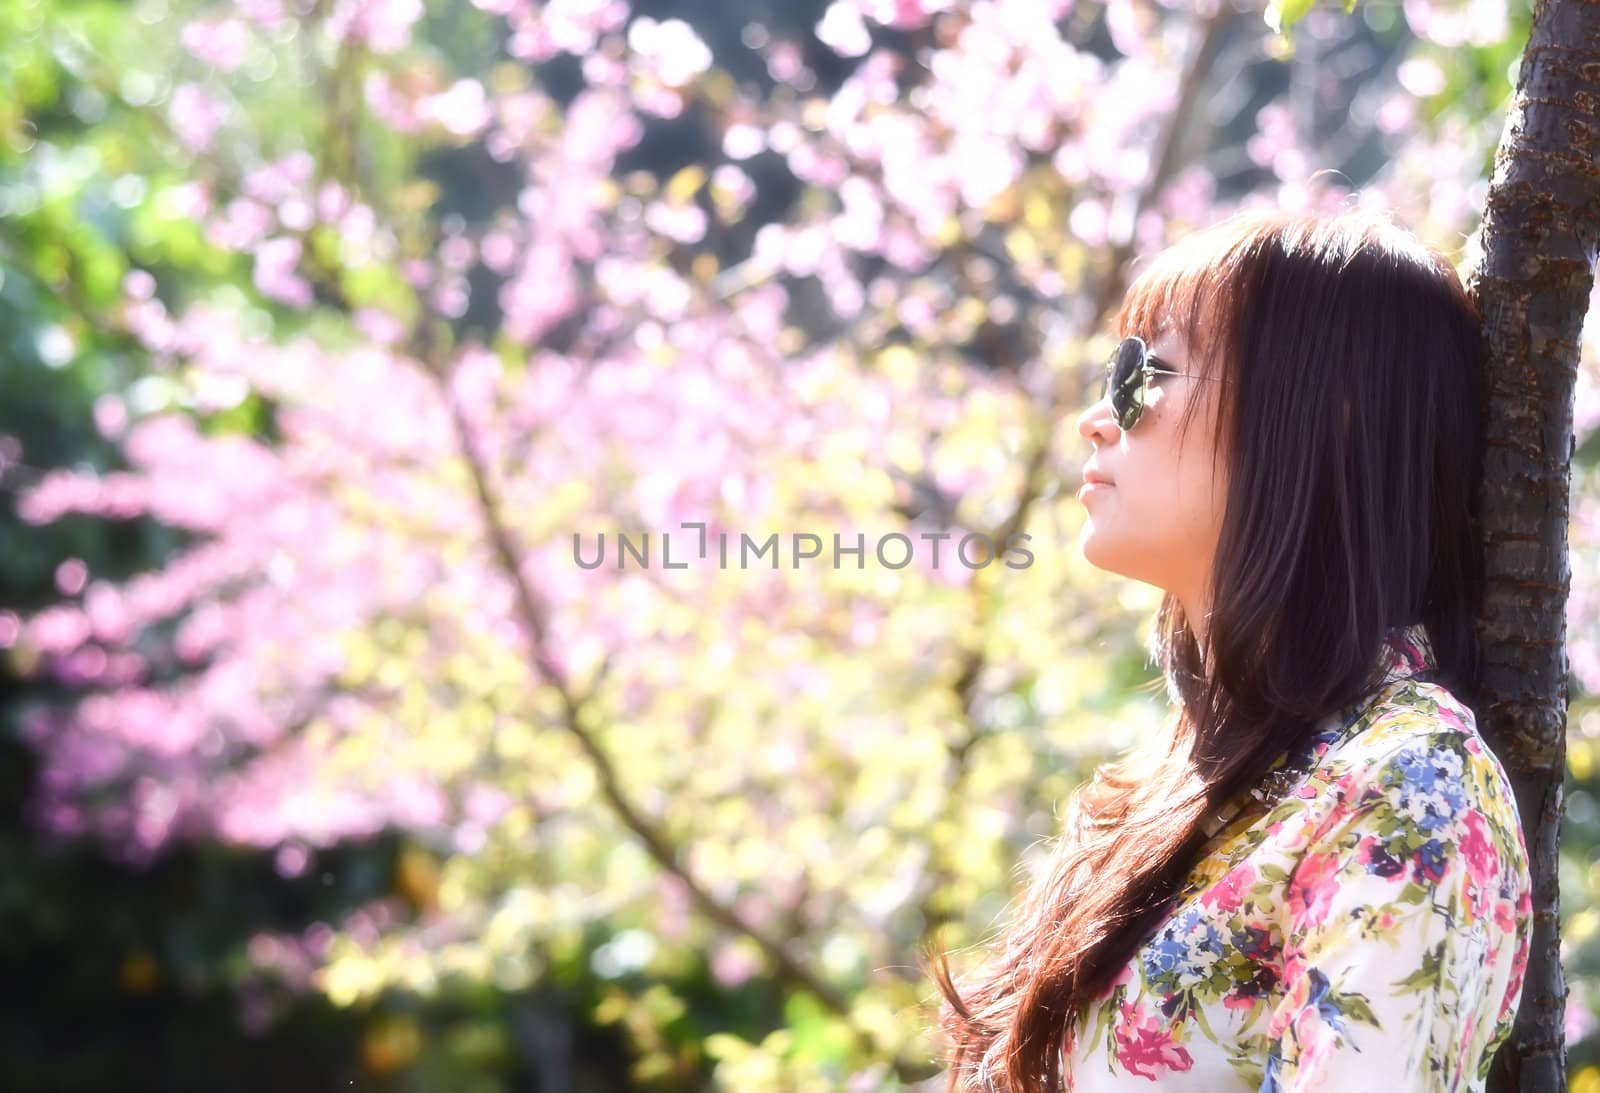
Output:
[[1406, 651]]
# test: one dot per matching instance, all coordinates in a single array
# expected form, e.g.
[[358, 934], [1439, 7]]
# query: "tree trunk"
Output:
[[1540, 226]]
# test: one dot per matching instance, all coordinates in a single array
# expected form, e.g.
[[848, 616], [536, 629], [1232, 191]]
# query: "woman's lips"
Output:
[[1093, 480]]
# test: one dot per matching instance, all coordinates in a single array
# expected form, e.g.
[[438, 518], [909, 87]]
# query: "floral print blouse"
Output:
[[1367, 931]]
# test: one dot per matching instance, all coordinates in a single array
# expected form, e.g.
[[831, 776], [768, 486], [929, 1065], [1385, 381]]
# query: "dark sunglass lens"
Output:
[[1127, 381]]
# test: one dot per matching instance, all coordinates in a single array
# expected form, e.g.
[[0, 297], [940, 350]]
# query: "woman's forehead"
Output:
[[1166, 342], [1176, 343]]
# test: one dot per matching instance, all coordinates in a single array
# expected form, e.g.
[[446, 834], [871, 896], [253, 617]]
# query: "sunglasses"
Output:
[[1127, 380]]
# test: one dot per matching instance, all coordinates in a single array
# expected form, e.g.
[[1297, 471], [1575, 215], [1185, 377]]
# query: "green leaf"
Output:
[[818, 1034], [1283, 14], [1199, 1015], [1355, 1005], [1428, 975]]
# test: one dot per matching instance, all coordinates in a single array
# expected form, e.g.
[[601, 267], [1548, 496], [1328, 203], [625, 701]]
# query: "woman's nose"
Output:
[[1097, 424]]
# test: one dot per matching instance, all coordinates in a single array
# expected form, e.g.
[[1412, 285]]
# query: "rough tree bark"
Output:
[[1540, 227]]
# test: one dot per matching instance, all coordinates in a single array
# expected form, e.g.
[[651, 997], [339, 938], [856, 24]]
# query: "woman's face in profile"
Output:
[[1159, 519]]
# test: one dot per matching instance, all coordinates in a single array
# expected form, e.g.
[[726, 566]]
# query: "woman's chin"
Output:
[[1096, 550]]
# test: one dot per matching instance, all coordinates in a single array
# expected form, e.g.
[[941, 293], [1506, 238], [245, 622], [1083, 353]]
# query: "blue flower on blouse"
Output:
[[1164, 956], [1417, 767], [1175, 951], [1252, 941], [1431, 792], [1269, 1081], [1383, 863], [1429, 862], [1327, 1008]]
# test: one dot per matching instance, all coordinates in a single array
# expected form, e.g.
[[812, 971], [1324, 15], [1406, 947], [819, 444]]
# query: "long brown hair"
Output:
[[1350, 428]]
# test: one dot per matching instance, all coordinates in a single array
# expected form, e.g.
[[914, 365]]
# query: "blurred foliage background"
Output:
[[328, 324]]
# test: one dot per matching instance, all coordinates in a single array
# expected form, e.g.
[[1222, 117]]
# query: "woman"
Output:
[[1318, 879]]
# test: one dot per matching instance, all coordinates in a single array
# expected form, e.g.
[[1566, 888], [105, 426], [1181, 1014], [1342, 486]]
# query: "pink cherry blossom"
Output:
[[197, 116], [462, 109], [277, 274], [219, 42], [384, 26]]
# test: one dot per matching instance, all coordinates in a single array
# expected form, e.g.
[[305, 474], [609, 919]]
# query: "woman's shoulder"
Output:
[[1414, 706], [1406, 716], [1417, 756]]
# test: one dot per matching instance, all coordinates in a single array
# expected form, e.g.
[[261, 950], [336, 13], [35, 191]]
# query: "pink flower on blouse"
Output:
[[1519, 963], [1483, 863], [1296, 992], [1317, 1043], [1505, 915], [1519, 968], [1229, 892], [1463, 1046], [1145, 1047], [1312, 889]]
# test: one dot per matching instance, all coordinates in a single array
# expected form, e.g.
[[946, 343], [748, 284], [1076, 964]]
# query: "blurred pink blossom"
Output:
[[378, 325], [843, 30], [220, 42], [384, 26], [276, 272], [732, 965], [71, 576], [463, 109], [741, 141], [669, 50], [1421, 76], [389, 103], [281, 179], [560, 26], [1475, 22], [243, 224], [196, 115], [267, 14]]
